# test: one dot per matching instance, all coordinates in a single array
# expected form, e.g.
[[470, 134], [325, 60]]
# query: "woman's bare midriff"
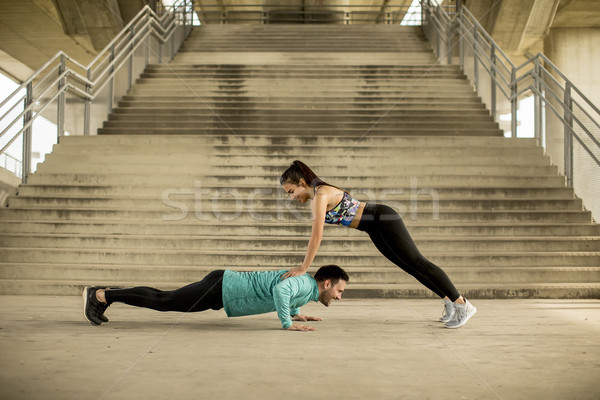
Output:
[[358, 215]]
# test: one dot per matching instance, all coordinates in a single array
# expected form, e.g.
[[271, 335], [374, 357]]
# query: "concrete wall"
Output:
[[576, 53], [9, 183]]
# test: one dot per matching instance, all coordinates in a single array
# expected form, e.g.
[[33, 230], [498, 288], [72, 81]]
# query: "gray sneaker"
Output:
[[448, 312], [462, 313]]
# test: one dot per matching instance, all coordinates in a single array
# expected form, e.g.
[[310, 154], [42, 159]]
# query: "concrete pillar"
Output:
[[575, 52]]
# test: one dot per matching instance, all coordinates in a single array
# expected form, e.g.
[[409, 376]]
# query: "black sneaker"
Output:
[[92, 308]]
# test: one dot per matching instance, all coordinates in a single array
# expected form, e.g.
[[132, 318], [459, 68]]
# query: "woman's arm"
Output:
[[319, 208]]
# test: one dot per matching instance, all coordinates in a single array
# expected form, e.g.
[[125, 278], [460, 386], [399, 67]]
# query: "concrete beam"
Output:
[[100, 20], [485, 11], [511, 23], [31, 32], [577, 14], [13, 68]]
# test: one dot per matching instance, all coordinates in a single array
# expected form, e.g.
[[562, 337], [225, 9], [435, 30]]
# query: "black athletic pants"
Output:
[[199, 296], [390, 236]]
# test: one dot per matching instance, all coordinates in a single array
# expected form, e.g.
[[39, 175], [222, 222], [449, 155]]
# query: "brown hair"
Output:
[[331, 272], [298, 170]]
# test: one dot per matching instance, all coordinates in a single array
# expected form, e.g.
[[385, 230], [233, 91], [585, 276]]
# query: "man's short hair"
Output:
[[331, 272]]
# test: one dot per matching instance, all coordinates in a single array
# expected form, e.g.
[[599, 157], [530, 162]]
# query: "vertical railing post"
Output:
[[568, 117], [147, 50], [130, 69], [493, 81], [537, 104], [111, 83], [438, 50], [513, 102], [449, 42], [60, 117], [475, 67], [87, 105], [160, 51], [461, 48], [27, 134]]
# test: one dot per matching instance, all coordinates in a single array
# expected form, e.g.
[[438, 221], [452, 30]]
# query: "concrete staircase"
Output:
[[183, 178]]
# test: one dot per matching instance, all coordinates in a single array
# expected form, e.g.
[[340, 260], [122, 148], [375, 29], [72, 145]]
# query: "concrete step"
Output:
[[175, 212], [253, 118], [413, 290], [279, 259], [268, 173], [352, 150], [293, 112], [230, 202], [276, 144], [291, 47], [289, 229], [299, 131], [191, 180], [292, 228], [221, 163], [307, 68], [392, 182], [583, 290], [276, 192], [159, 274], [243, 243], [322, 103], [410, 85], [364, 126], [254, 57], [302, 57], [452, 78], [408, 94]]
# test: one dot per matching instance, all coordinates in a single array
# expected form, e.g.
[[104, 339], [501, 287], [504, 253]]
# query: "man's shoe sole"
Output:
[[465, 321], [85, 296]]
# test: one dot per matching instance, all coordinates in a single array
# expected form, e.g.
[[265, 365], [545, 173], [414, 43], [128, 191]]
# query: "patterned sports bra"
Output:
[[344, 212]]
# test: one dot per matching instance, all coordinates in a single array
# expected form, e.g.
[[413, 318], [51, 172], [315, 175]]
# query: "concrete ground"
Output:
[[384, 349]]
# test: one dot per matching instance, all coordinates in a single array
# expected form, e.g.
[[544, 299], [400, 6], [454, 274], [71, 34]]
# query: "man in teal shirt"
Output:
[[239, 293]]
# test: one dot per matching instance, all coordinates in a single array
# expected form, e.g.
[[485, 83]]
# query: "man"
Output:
[[239, 293]]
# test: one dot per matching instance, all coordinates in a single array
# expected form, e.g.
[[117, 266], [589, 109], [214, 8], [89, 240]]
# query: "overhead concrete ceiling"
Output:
[[577, 13], [520, 26], [33, 31]]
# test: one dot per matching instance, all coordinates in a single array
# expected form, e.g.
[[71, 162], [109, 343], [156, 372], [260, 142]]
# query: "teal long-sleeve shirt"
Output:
[[259, 292]]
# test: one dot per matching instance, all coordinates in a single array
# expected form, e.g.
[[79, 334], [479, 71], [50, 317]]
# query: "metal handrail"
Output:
[[61, 74], [538, 76]]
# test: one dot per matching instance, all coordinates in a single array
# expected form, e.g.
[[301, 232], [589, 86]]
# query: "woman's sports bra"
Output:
[[344, 212]]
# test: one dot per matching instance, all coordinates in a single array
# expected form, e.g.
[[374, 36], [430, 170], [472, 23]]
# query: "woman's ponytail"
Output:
[[298, 170]]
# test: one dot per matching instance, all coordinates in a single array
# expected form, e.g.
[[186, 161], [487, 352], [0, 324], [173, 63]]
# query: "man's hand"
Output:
[[293, 272], [301, 328], [305, 318]]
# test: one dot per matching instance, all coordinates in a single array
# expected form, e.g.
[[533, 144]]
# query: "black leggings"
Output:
[[390, 236], [199, 296]]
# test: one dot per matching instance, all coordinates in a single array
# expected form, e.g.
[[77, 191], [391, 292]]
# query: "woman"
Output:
[[332, 205]]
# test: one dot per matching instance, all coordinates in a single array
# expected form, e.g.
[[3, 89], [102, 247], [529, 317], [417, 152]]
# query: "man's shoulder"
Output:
[[300, 280]]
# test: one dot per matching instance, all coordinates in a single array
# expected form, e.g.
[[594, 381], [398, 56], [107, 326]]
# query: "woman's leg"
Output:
[[390, 236], [383, 246], [198, 296]]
